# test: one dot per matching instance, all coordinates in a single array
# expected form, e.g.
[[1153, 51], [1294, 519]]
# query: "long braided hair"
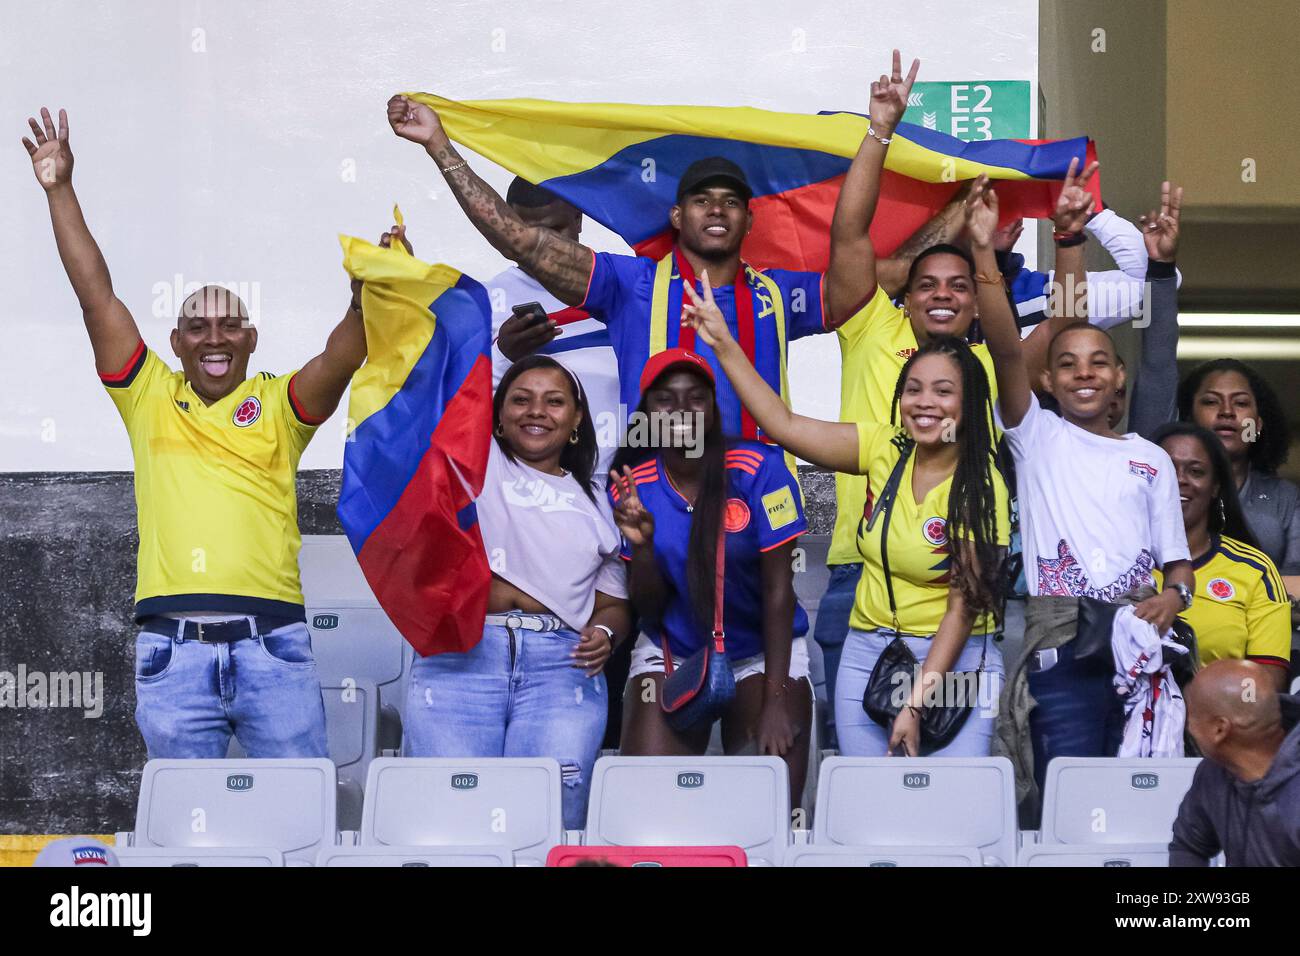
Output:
[[710, 503], [972, 500]]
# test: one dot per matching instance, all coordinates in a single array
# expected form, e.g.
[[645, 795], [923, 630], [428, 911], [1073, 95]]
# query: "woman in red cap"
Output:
[[678, 485]]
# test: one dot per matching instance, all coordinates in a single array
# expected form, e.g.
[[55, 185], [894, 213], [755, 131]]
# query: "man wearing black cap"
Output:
[[639, 300]]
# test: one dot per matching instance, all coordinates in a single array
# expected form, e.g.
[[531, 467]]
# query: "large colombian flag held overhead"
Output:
[[420, 420], [620, 164]]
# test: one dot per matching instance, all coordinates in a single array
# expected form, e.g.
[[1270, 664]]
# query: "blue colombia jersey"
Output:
[[640, 301], [764, 511]]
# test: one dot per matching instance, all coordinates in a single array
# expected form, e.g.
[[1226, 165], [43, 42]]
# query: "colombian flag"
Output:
[[620, 164], [420, 421]]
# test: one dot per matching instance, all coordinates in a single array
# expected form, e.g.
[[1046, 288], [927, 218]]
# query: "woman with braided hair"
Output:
[[932, 481]]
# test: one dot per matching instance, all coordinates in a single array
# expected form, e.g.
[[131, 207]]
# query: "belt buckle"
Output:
[[201, 639], [514, 622]]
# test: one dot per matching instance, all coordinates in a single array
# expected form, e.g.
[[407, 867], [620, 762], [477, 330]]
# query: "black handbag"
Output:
[[897, 666], [702, 686]]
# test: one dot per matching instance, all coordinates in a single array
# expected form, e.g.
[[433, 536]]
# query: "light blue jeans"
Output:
[[190, 697], [516, 693], [860, 736]]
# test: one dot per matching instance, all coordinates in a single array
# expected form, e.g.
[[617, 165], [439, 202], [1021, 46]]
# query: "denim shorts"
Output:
[[648, 657]]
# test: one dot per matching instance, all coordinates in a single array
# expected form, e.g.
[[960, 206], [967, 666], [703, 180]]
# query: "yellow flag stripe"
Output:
[[542, 139]]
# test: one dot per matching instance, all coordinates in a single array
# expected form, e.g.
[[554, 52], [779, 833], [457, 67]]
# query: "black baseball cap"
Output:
[[524, 194], [709, 168]]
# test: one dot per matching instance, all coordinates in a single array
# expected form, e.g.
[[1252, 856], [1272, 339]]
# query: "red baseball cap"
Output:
[[661, 362]]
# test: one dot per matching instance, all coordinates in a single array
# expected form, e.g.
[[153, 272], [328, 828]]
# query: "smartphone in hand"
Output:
[[531, 312]]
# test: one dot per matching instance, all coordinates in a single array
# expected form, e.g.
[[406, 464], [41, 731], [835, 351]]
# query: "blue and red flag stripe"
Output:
[[416, 457], [620, 164]]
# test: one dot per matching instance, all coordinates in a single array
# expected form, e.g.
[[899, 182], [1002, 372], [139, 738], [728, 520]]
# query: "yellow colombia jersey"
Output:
[[919, 560], [874, 345], [1240, 607], [215, 494]]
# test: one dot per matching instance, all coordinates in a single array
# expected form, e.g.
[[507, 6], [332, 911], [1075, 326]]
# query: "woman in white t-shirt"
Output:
[[533, 685], [1099, 511]]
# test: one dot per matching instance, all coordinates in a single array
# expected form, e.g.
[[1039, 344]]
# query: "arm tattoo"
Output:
[[942, 228], [561, 265]]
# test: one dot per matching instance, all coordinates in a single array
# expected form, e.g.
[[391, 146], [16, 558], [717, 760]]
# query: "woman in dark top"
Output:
[[1233, 401]]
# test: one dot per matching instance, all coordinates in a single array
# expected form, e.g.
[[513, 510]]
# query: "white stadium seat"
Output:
[[692, 801], [286, 804], [935, 804], [1118, 854], [199, 856], [415, 856], [352, 738], [814, 855], [351, 635], [358, 642], [1104, 800], [352, 727], [513, 802]]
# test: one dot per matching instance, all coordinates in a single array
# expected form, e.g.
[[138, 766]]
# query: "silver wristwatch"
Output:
[[1184, 594]]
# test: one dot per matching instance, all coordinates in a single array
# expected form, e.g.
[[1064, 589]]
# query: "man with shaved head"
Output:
[[1245, 797], [223, 646]]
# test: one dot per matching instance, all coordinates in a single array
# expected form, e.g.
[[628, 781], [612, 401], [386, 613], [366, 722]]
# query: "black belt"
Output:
[[222, 633]]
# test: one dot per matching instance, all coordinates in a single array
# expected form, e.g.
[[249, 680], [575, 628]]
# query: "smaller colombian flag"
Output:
[[619, 163], [420, 418]]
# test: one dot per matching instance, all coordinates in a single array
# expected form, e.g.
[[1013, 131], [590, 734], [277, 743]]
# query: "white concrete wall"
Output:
[[213, 142]]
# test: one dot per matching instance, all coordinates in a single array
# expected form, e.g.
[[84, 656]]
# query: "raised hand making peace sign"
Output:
[[703, 315], [631, 516], [1075, 204], [889, 96], [1160, 228]]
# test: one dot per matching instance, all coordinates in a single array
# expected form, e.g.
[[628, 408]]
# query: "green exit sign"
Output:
[[975, 110]]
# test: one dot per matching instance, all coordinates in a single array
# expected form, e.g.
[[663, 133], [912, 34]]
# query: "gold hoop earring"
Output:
[[573, 439]]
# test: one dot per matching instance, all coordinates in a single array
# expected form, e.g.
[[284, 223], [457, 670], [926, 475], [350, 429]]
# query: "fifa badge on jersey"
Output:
[[95, 855], [780, 508], [936, 531], [249, 411], [1221, 588], [1142, 470]]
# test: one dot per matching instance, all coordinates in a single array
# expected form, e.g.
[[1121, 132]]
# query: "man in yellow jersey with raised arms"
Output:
[[223, 646]]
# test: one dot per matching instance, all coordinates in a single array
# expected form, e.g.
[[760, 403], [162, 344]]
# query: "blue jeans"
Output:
[[1077, 712], [860, 736], [190, 697], [516, 693], [832, 627]]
